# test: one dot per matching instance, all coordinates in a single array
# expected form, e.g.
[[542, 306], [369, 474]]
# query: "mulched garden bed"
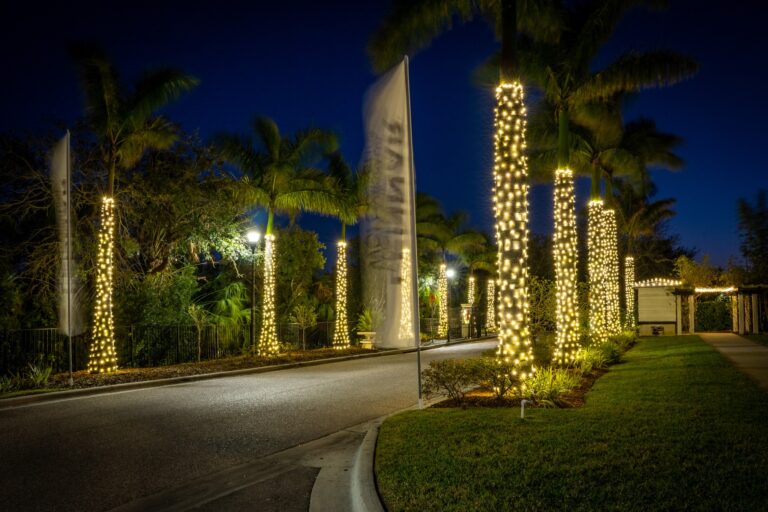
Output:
[[484, 398], [83, 379]]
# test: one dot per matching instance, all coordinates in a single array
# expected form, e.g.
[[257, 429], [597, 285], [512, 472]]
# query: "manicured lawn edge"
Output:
[[673, 427]]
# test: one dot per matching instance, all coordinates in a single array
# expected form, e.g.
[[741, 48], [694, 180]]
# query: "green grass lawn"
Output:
[[758, 338], [674, 427]]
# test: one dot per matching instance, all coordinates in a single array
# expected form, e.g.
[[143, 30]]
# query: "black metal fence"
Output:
[[148, 345], [158, 345]]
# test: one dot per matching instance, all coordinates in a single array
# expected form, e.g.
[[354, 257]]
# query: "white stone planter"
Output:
[[367, 339]]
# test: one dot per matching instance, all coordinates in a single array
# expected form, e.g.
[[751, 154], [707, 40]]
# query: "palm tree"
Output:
[[579, 95], [481, 259], [126, 126], [628, 153], [414, 24], [437, 237], [277, 174], [352, 203], [637, 217]]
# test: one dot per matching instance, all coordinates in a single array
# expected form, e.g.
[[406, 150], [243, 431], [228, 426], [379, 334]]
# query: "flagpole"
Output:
[[414, 266], [69, 259]]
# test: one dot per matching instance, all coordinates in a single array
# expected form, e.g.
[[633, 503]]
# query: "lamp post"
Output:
[[449, 274], [253, 237]]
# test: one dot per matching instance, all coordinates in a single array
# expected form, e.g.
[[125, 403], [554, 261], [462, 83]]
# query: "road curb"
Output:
[[363, 489], [364, 493], [8, 403]]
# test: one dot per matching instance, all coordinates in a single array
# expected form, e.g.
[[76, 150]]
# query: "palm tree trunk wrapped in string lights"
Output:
[[629, 292], [268, 344], [340, 331], [566, 264], [102, 357], [442, 309], [612, 280], [511, 213], [596, 269], [490, 313]]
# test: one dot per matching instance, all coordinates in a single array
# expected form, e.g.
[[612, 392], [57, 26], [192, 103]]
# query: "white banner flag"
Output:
[[69, 313], [388, 231]]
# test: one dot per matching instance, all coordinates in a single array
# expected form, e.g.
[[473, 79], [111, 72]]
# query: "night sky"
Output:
[[304, 63]]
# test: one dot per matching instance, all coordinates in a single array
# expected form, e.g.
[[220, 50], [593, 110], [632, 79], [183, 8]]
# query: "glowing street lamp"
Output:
[[253, 237], [449, 274]]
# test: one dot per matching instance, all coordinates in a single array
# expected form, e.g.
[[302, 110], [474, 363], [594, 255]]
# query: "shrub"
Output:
[[494, 376], [611, 352], [7, 384], [367, 320], [546, 386], [713, 315], [38, 375], [624, 340], [591, 358], [451, 376]]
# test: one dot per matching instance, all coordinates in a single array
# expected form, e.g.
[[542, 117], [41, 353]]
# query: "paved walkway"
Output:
[[748, 356]]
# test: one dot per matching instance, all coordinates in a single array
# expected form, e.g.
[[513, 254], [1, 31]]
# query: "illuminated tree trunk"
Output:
[[268, 344], [511, 213], [406, 303], [102, 357], [471, 291], [595, 267], [566, 266], [442, 310], [340, 332], [490, 314], [612, 279], [629, 292]]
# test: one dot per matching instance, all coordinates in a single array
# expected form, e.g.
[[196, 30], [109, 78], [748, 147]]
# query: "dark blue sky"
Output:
[[304, 63]]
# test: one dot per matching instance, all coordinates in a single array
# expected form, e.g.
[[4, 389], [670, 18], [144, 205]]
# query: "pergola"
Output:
[[660, 306]]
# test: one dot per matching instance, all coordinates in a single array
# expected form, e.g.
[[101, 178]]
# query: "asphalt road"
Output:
[[102, 451]]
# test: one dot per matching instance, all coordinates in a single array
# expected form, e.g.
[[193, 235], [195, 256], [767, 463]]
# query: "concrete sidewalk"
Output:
[[748, 356]]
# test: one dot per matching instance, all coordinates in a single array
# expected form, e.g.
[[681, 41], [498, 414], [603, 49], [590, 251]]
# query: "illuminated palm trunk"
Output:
[[102, 357], [566, 263], [490, 313], [510, 174], [406, 303], [340, 332], [268, 344], [612, 279], [629, 292], [442, 310], [596, 269], [471, 291]]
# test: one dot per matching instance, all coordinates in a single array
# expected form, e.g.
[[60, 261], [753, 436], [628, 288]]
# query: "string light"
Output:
[[340, 332], [406, 303], [490, 313], [566, 264], [510, 204], [442, 309], [471, 291], [729, 289], [268, 344], [612, 288], [102, 357], [596, 269], [658, 282], [629, 291]]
